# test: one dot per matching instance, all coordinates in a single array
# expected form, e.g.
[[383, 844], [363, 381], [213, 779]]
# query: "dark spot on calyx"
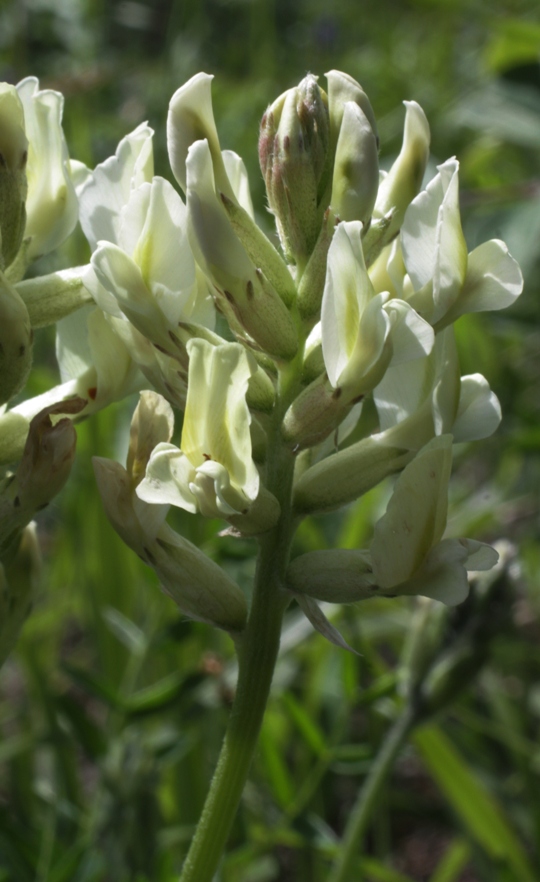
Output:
[[337, 393], [229, 296], [249, 290]]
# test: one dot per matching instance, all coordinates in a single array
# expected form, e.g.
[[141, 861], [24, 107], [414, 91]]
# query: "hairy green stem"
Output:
[[362, 813], [257, 656]]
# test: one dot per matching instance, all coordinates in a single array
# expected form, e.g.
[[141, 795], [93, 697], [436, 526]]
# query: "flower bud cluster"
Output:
[[268, 352]]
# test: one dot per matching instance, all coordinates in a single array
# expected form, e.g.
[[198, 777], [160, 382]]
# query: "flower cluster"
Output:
[[269, 350]]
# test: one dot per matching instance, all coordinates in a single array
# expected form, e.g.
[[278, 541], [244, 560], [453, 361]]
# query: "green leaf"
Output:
[[375, 871], [126, 631], [276, 769], [94, 686], [311, 733], [478, 810], [453, 862], [157, 696]]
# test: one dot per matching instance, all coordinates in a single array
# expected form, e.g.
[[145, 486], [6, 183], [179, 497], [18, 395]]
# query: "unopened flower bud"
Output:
[[334, 575], [16, 338], [13, 186], [293, 153], [356, 167], [343, 88], [346, 475]]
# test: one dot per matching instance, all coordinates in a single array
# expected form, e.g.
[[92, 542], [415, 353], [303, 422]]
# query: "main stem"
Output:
[[362, 813], [256, 661]]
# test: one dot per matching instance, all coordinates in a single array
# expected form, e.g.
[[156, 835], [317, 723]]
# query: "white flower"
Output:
[[198, 586], [148, 275], [213, 471], [427, 397], [105, 191], [51, 205], [399, 187], [362, 332], [443, 281], [408, 553]]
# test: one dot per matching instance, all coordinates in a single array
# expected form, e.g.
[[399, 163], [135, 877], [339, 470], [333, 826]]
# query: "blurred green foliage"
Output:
[[113, 707]]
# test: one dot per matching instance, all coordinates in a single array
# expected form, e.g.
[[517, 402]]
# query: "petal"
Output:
[[347, 292], [216, 496], [152, 424], [51, 205], [356, 167], [493, 281], [480, 555], [479, 411], [214, 237], [154, 232], [190, 119], [342, 88], [415, 518], [403, 391], [446, 388], [168, 476], [411, 336], [370, 356], [434, 248], [106, 192], [404, 179], [217, 419], [72, 348], [121, 277], [238, 177]]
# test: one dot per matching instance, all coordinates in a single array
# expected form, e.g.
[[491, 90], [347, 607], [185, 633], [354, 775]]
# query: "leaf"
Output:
[[375, 871], [94, 686], [127, 631], [278, 775], [311, 733], [157, 696], [478, 810], [453, 862]]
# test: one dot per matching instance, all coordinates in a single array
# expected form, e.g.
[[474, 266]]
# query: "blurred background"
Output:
[[113, 707]]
